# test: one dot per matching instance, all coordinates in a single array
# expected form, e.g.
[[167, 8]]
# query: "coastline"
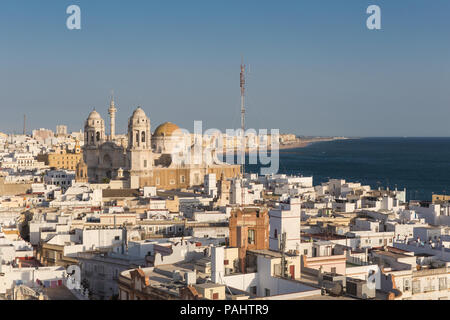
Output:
[[299, 143], [303, 143]]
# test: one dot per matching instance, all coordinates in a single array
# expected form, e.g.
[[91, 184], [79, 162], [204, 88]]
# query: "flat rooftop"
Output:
[[59, 293], [268, 253], [325, 297]]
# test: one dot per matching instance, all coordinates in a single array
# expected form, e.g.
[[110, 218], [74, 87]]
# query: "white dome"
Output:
[[94, 115], [138, 113]]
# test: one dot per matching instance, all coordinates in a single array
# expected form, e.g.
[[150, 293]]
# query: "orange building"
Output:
[[249, 230]]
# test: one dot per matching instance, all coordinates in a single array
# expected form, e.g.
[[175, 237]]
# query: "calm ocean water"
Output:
[[421, 165]]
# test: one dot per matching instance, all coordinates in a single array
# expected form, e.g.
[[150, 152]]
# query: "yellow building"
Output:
[[63, 159], [178, 178], [440, 198]]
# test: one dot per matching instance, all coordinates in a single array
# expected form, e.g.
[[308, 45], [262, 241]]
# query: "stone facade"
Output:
[[146, 160]]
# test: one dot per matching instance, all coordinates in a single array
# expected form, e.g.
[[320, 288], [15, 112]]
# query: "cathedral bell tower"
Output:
[[94, 130], [139, 151]]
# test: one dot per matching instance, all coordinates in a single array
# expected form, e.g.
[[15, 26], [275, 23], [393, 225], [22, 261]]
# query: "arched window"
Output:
[[137, 137], [143, 136], [98, 136], [92, 137]]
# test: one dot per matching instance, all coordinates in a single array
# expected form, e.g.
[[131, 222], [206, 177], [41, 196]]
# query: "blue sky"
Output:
[[315, 69]]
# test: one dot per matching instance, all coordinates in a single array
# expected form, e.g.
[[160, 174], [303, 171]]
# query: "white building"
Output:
[[210, 184], [285, 219], [61, 178]]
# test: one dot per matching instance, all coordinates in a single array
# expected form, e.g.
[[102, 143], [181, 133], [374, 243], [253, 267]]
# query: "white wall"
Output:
[[29, 276]]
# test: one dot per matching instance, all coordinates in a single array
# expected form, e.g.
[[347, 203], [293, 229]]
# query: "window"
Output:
[[226, 262], [182, 179], [333, 270], [406, 285], [98, 136], [416, 286], [305, 252], [137, 137], [215, 296], [442, 283], [143, 136], [275, 234], [267, 292], [253, 290], [251, 236], [145, 163]]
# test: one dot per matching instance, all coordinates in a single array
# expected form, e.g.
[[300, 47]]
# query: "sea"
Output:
[[421, 165]]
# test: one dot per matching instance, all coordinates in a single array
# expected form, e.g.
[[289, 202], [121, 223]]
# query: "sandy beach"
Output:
[[300, 143]]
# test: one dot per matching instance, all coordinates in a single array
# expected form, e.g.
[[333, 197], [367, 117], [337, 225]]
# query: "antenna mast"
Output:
[[24, 124], [243, 117], [243, 126]]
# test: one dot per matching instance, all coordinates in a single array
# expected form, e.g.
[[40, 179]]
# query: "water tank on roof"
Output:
[[190, 278]]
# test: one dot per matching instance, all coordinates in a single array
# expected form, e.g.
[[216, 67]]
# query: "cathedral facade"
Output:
[[141, 158]]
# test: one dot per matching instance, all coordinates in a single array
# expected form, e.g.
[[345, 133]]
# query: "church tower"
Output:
[[77, 149], [139, 151], [94, 130], [112, 116]]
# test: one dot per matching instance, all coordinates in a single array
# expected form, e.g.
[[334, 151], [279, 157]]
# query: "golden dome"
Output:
[[166, 129]]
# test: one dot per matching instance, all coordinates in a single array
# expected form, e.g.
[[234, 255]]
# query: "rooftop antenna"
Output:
[[24, 124], [243, 115], [243, 67]]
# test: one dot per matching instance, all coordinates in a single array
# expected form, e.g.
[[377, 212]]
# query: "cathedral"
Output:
[[141, 158]]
